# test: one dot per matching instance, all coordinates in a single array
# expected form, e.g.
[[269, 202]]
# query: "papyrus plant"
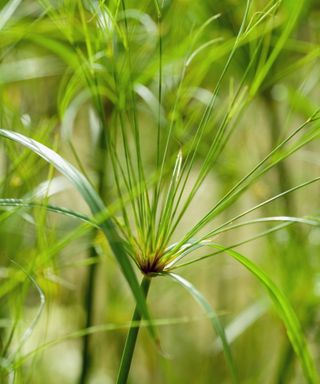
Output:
[[152, 192]]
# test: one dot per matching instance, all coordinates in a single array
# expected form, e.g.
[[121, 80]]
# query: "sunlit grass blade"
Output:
[[295, 9], [267, 163], [285, 312], [311, 221], [248, 240], [243, 321], [7, 12], [36, 318], [168, 203], [179, 250], [217, 326], [264, 203], [10, 203], [102, 328], [96, 205]]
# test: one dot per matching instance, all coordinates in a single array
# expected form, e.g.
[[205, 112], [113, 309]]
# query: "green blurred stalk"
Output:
[[101, 160], [282, 171], [89, 308], [130, 344], [284, 182]]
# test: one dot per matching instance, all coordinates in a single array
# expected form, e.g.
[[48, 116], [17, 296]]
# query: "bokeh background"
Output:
[[48, 51]]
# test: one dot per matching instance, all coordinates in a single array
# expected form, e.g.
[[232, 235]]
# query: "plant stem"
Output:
[[89, 306], [86, 357], [129, 347], [282, 170], [284, 181]]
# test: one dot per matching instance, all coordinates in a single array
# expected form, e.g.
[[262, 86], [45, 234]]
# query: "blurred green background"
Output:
[[58, 63]]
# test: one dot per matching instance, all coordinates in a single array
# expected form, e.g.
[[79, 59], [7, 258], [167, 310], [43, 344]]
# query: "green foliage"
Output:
[[190, 125]]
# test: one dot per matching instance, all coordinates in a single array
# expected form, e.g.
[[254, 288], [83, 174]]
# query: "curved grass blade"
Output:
[[191, 246], [97, 206], [218, 327], [285, 312], [234, 245], [263, 203], [7, 12], [311, 221], [34, 322], [295, 9], [243, 321], [21, 203], [102, 328]]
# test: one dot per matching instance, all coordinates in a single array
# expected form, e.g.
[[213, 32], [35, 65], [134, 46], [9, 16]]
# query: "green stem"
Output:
[[86, 358], [284, 175], [89, 307], [129, 347]]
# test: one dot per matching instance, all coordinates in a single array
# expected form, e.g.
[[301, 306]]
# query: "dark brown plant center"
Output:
[[152, 265]]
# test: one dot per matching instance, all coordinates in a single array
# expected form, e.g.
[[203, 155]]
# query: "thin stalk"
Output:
[[92, 270], [89, 306], [131, 338], [282, 171], [285, 369], [283, 174], [154, 207], [143, 197]]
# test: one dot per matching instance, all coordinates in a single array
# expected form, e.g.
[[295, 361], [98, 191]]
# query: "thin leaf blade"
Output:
[[216, 324], [96, 206], [285, 312]]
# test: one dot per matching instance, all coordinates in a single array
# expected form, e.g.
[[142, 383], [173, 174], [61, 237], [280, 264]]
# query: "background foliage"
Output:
[[171, 110]]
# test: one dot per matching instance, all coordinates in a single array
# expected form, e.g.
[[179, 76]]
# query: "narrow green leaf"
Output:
[[7, 12], [312, 221], [285, 312], [259, 235], [243, 321], [52, 208], [35, 320], [96, 205], [217, 326], [102, 328], [296, 8]]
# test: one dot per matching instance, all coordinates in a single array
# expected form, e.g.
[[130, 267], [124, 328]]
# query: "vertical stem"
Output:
[[89, 306], [92, 270], [285, 369], [287, 356], [282, 171], [131, 338]]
